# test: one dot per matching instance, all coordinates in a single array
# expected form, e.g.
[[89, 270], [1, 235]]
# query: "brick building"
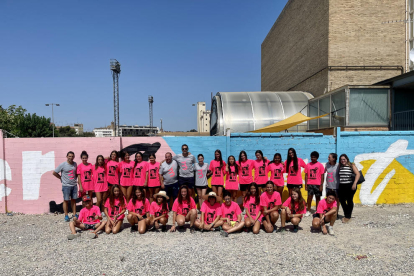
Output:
[[320, 45]]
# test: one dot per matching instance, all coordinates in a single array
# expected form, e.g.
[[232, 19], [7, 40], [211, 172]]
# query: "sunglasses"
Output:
[[185, 148]]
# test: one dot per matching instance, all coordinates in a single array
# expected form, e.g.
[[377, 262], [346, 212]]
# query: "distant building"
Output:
[[203, 117], [78, 128], [103, 132], [135, 130], [318, 46]]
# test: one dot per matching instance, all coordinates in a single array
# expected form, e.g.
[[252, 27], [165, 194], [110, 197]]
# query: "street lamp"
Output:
[[53, 118]]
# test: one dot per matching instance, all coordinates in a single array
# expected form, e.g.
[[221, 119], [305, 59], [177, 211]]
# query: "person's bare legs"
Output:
[[234, 196], [283, 217], [73, 225], [309, 202], [132, 219], [318, 198], [99, 199], [142, 225], [230, 229], [191, 216], [268, 227], [99, 226], [279, 189], [256, 227], [201, 193], [65, 207], [73, 202], [105, 195], [197, 224], [191, 192], [248, 222], [317, 224], [117, 226], [124, 191], [220, 191], [274, 216], [215, 189]]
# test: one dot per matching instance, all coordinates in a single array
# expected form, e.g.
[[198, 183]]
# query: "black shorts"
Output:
[[244, 187], [317, 216], [189, 181], [314, 190], [172, 190], [202, 187], [261, 186], [89, 226], [291, 186]]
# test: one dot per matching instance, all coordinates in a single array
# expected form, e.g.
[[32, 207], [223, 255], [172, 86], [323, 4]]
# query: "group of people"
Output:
[[148, 190]]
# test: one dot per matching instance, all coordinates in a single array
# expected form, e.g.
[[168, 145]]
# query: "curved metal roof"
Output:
[[247, 111]]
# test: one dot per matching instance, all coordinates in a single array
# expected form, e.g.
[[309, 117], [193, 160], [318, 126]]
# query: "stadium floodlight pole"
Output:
[[53, 117]]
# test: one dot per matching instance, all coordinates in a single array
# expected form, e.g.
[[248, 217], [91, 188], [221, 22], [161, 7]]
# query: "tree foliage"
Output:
[[10, 118], [34, 126], [66, 131]]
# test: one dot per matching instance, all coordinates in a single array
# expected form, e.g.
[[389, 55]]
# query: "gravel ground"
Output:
[[381, 236]]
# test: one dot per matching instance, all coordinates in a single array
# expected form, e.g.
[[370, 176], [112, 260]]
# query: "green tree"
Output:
[[31, 125], [10, 118], [87, 134], [66, 131]]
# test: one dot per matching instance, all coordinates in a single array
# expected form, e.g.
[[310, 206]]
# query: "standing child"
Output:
[[293, 209], [314, 177], [270, 201], [112, 169], [138, 210], [201, 182], [293, 166], [254, 213], [115, 207], [99, 181], [184, 209], [126, 168], [217, 169], [326, 213], [260, 175], [246, 167], [232, 183], [277, 169], [140, 173], [159, 211], [84, 172], [154, 183], [231, 216], [89, 219]]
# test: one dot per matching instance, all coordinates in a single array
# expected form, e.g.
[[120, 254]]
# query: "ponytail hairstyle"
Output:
[[240, 154], [301, 201], [134, 196], [274, 157], [236, 168], [294, 159], [84, 153], [261, 154], [97, 163], [220, 158], [256, 196], [136, 162]]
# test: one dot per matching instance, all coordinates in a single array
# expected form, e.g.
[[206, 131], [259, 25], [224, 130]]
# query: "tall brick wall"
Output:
[[296, 46]]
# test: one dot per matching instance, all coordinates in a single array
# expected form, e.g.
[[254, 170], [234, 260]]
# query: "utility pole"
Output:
[[150, 101], [53, 117], [116, 71]]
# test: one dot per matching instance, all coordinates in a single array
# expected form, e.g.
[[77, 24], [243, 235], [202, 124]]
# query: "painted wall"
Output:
[[385, 158]]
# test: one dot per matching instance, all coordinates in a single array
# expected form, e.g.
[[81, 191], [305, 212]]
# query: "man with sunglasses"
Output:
[[186, 163]]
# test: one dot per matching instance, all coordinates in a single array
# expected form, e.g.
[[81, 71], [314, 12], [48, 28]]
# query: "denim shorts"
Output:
[[172, 190], [70, 192]]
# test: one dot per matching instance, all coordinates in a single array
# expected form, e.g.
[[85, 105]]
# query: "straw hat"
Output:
[[212, 194], [162, 193]]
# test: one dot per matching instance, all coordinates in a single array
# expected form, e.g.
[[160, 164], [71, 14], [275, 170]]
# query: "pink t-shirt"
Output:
[[260, 174], [294, 177], [253, 208], [276, 174], [324, 207], [270, 201], [140, 173], [99, 180], [126, 173], [112, 172], [156, 210], [153, 174], [210, 212], [184, 207], [218, 172], [85, 173], [138, 207], [245, 171], [232, 182], [231, 211], [112, 212], [87, 216], [296, 210], [314, 172]]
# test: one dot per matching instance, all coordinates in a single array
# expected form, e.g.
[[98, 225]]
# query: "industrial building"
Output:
[[103, 132], [321, 45], [203, 117], [136, 130]]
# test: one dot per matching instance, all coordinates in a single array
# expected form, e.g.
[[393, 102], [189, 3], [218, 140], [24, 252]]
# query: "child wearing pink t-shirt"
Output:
[[115, 207], [276, 169], [138, 210], [231, 216], [246, 168], [292, 210], [314, 177], [184, 209], [270, 201], [159, 211], [89, 219], [232, 182], [217, 170], [84, 172], [112, 169], [99, 181], [210, 213], [254, 212], [326, 213], [140, 172], [260, 175], [126, 168], [293, 165]]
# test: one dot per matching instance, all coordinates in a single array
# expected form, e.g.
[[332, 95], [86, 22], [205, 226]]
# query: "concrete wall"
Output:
[[296, 47], [385, 158]]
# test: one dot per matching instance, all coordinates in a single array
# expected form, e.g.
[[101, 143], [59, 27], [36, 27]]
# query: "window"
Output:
[[338, 109], [368, 107]]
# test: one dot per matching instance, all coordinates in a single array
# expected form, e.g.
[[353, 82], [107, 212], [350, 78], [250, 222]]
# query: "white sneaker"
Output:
[[331, 231], [308, 214]]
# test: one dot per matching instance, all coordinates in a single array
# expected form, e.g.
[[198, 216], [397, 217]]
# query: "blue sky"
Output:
[[178, 51]]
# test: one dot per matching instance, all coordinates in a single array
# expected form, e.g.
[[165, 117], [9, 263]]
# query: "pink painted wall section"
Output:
[[32, 161], [3, 174]]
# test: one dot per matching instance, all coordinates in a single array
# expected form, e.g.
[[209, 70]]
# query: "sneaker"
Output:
[[218, 229], [164, 228], [345, 220], [308, 214], [331, 231], [67, 219], [134, 228], [282, 230], [73, 236], [103, 215], [91, 235], [224, 234], [295, 228], [274, 229], [192, 230]]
